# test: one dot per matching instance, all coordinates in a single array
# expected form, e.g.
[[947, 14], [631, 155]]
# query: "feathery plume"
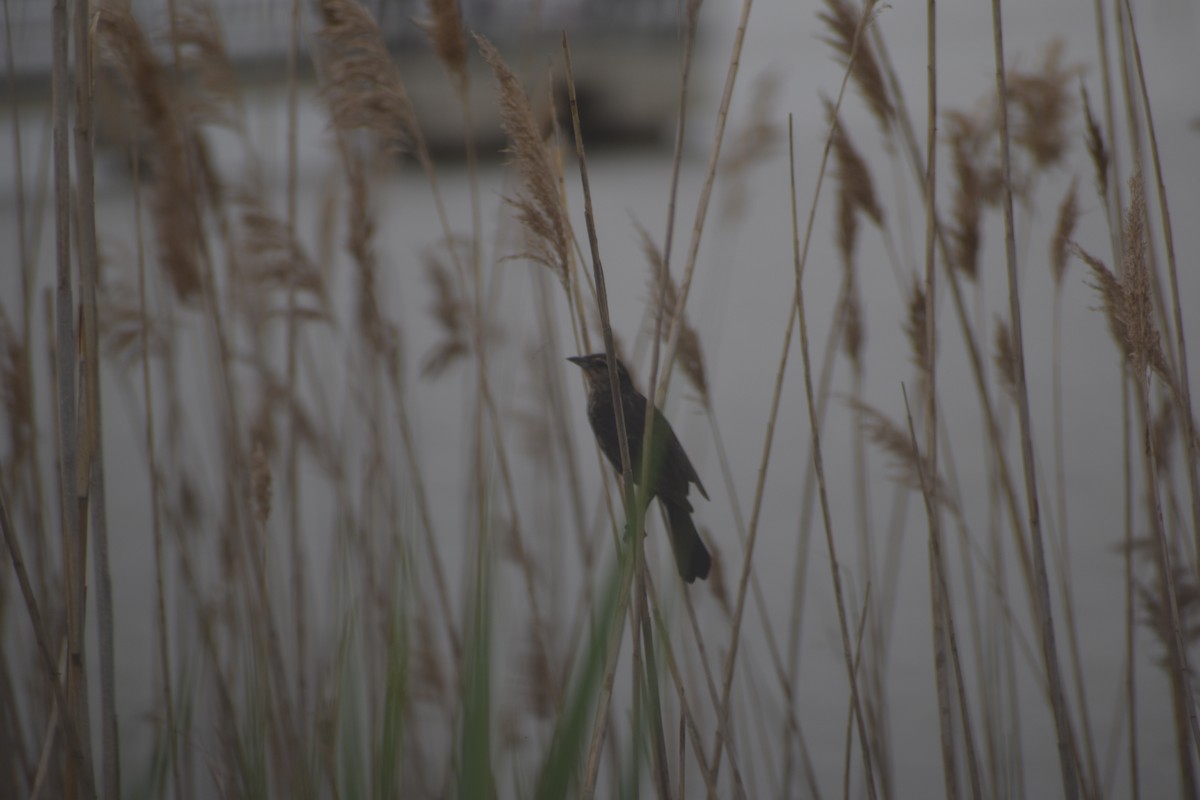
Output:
[[1095, 145], [969, 195], [853, 330], [1006, 358], [690, 354], [1111, 295], [1043, 107], [451, 314], [124, 46], [897, 443], [445, 31], [914, 328], [1144, 346], [273, 263], [214, 97], [1120, 309], [361, 83], [752, 144], [121, 322], [539, 207], [841, 18], [1068, 215], [852, 171]]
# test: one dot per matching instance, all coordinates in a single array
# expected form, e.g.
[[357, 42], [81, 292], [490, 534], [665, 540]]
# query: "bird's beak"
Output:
[[576, 360]]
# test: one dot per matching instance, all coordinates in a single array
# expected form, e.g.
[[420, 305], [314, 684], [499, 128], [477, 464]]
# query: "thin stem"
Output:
[[714, 160], [815, 433], [92, 465], [1184, 403], [291, 455], [633, 507], [75, 745], [1181, 685], [1041, 583], [164, 642], [79, 768], [688, 719], [938, 598]]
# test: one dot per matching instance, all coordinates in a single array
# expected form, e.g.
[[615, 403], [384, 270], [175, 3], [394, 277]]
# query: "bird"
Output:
[[671, 474]]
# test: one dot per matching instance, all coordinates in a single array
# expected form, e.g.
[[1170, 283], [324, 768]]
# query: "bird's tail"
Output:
[[691, 556]]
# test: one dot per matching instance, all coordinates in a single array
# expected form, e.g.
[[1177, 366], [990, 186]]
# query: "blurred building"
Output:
[[626, 54]]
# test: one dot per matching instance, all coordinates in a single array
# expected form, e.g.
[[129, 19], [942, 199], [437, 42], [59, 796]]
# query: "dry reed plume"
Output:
[[910, 464], [1041, 99], [752, 144], [362, 85], [539, 206], [1064, 229], [969, 194], [1127, 301], [1006, 360], [842, 20], [445, 30], [124, 46], [690, 354], [1095, 145], [273, 263], [450, 312]]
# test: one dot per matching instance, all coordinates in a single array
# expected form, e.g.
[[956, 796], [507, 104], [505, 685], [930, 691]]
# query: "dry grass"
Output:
[[1006, 360], [1127, 300], [539, 207], [1095, 145], [445, 30], [1064, 229], [842, 20], [691, 355], [124, 46], [909, 464], [362, 85], [914, 328], [969, 193], [1041, 103], [303, 654], [754, 141]]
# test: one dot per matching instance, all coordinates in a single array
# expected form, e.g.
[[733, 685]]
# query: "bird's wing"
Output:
[[675, 457], [635, 426], [689, 471]]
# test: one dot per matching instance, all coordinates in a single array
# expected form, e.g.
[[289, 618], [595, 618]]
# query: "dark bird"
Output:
[[670, 469]]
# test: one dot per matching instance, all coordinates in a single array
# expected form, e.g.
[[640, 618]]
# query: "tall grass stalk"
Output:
[[689, 266], [91, 469], [170, 733], [852, 53], [938, 599], [687, 717], [848, 739], [76, 744], [799, 257], [74, 544], [291, 453], [1184, 390], [1041, 587], [635, 503]]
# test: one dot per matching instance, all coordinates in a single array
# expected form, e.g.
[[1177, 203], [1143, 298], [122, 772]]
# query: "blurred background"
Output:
[[465, 433]]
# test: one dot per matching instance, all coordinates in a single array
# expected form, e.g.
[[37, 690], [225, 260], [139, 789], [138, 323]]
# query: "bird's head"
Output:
[[595, 369]]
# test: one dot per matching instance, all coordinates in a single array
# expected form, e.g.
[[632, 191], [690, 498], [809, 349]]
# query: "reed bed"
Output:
[[321, 622]]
